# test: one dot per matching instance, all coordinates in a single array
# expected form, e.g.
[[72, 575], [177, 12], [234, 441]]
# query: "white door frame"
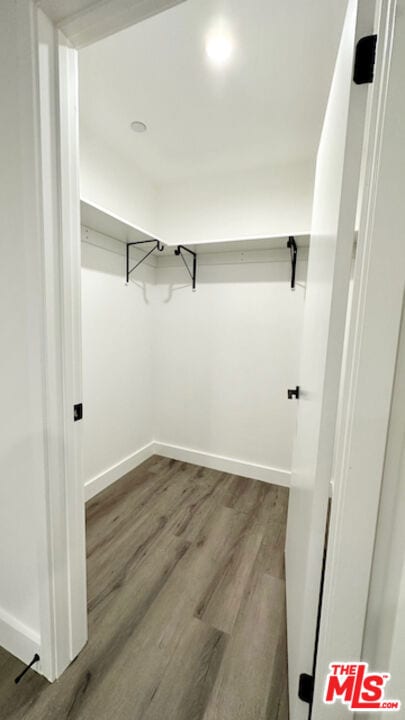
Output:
[[102, 18], [52, 88], [62, 568], [65, 502]]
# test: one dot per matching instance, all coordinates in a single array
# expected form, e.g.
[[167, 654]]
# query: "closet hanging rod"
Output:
[[193, 272], [158, 246], [292, 245]]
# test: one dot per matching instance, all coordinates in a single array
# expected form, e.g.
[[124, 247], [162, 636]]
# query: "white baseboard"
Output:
[[265, 473], [17, 638], [98, 483]]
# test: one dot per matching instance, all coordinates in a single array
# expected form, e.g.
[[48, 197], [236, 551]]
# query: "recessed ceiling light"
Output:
[[219, 47], [138, 126]]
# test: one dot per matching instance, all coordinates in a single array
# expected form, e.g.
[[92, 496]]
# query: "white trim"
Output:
[[70, 279], [18, 639], [100, 482], [254, 471], [62, 559], [37, 74], [105, 17], [52, 588], [265, 473]]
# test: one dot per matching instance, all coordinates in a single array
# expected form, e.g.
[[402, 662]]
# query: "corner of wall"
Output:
[[100, 482]]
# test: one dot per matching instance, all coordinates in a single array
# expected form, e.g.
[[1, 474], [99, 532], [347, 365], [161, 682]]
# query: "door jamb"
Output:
[[62, 548], [61, 564]]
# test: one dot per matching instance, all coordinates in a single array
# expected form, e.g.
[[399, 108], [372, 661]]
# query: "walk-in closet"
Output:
[[196, 280]]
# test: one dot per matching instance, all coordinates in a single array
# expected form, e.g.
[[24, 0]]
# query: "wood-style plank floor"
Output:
[[186, 605]]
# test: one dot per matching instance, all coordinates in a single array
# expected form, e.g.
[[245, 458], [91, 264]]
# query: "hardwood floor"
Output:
[[186, 605]]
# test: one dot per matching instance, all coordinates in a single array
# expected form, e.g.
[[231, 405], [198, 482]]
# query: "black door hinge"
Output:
[[364, 61], [77, 412], [306, 688], [293, 393]]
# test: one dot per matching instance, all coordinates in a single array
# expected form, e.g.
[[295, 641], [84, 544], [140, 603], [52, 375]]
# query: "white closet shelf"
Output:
[[231, 251], [104, 222], [271, 242]]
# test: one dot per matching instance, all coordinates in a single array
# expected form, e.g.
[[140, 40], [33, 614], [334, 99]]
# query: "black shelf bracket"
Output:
[[192, 272], [292, 245], [157, 245]]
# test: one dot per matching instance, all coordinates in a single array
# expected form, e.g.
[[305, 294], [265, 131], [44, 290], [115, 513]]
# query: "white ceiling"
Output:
[[264, 108]]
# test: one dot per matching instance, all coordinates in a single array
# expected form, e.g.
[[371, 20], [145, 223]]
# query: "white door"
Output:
[[333, 227]]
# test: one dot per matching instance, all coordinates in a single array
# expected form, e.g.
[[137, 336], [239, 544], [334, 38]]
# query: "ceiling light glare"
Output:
[[138, 126], [219, 47]]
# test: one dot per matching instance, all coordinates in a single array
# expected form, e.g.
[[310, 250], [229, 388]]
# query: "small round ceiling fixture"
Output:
[[138, 126], [219, 47]]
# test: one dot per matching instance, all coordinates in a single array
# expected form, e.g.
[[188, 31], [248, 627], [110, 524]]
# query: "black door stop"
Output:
[[21, 675]]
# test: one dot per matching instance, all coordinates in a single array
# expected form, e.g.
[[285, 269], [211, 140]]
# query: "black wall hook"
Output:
[[292, 245], [193, 273]]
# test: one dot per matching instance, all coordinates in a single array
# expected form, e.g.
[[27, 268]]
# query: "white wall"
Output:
[[117, 362], [224, 358], [111, 181], [204, 372], [21, 377], [259, 202]]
